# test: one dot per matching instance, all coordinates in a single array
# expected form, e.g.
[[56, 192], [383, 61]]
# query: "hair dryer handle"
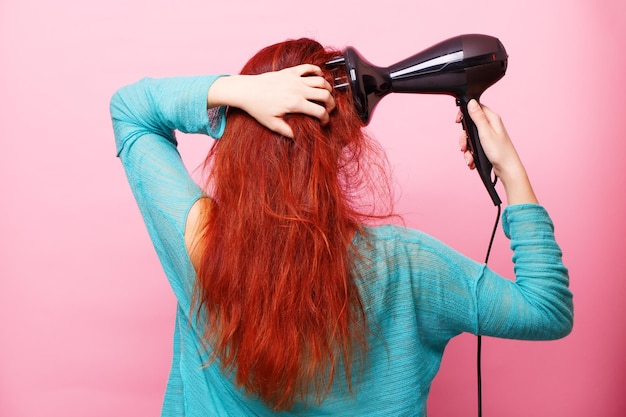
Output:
[[483, 165]]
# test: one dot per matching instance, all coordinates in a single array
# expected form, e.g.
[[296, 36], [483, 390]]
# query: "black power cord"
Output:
[[479, 344]]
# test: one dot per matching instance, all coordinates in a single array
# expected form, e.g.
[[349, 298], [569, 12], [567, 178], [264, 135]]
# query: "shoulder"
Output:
[[399, 251], [399, 238]]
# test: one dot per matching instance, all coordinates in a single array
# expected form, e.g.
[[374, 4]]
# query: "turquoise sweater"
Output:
[[418, 292]]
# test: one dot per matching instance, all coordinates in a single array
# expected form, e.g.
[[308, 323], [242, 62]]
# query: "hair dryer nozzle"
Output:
[[335, 62], [368, 83]]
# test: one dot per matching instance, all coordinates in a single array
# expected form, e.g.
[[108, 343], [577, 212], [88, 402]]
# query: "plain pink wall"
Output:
[[86, 316]]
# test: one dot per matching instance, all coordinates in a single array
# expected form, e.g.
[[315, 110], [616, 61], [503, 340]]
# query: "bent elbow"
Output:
[[566, 326], [559, 323]]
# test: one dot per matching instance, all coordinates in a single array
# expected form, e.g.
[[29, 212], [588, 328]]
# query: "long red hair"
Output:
[[275, 285]]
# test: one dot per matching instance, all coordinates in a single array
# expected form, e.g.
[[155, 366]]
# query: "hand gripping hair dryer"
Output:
[[463, 67]]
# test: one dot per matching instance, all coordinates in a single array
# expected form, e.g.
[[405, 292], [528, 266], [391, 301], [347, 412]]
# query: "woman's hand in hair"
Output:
[[268, 97]]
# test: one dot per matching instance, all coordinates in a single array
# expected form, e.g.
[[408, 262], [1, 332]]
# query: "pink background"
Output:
[[86, 315]]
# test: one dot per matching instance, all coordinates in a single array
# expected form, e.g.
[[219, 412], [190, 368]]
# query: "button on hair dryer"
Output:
[[463, 67]]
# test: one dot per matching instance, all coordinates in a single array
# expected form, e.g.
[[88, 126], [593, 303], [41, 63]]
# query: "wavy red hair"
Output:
[[275, 285]]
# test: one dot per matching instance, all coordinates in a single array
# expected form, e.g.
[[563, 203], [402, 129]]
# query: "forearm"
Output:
[[229, 91], [517, 185]]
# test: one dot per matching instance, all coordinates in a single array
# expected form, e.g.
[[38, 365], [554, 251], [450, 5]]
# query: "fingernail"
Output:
[[473, 105]]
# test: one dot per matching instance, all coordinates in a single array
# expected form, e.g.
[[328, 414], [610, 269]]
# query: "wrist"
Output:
[[225, 91], [517, 185]]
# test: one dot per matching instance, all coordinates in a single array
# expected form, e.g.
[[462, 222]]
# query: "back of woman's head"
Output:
[[276, 284]]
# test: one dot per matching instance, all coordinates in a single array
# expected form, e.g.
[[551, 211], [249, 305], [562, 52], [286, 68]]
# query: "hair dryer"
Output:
[[463, 67]]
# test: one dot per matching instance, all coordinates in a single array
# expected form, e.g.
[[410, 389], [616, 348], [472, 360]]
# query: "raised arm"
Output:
[[146, 114], [538, 305]]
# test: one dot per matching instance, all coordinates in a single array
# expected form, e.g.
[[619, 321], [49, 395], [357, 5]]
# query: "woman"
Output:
[[289, 303]]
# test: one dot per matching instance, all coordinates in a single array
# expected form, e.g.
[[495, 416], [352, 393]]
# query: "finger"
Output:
[[330, 104], [477, 114], [323, 97], [467, 155], [459, 116], [315, 110], [317, 82], [463, 141], [469, 160], [487, 110], [281, 127], [307, 69], [494, 119]]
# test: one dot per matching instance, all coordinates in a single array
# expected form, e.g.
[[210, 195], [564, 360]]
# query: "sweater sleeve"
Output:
[[145, 116], [423, 283], [538, 305], [160, 106]]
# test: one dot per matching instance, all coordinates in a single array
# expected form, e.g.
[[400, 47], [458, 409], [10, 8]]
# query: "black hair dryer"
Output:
[[463, 67]]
